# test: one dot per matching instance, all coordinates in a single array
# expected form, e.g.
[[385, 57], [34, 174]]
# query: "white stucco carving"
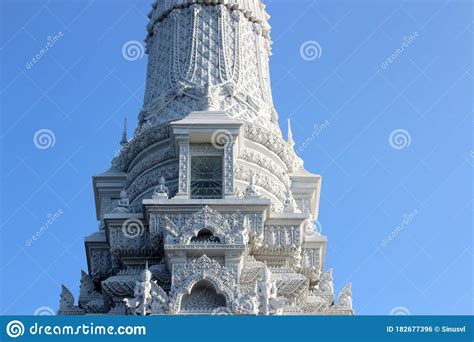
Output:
[[249, 248]]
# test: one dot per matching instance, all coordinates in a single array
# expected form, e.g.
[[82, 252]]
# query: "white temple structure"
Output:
[[207, 209]]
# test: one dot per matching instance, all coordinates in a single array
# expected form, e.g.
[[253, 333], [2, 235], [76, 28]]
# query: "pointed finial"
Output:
[[124, 140], [291, 142]]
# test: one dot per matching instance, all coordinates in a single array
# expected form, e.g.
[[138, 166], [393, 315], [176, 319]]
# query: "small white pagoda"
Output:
[[207, 209]]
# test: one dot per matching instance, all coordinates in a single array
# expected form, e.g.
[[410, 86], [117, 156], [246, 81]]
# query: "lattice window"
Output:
[[206, 177]]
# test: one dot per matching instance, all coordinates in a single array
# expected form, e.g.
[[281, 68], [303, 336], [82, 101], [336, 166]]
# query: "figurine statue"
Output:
[[267, 294], [148, 298], [139, 304], [251, 190], [161, 190], [289, 204], [123, 203], [308, 225], [249, 302], [326, 282]]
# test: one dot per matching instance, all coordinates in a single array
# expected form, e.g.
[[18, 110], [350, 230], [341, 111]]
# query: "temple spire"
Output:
[[291, 142], [124, 140]]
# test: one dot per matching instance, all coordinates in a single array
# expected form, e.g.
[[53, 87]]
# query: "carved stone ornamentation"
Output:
[[161, 191], [223, 279], [208, 219], [101, 264], [326, 283], [66, 304], [248, 303], [229, 167], [281, 239], [289, 204], [267, 295], [142, 140], [344, 299], [149, 180], [149, 298], [123, 203], [220, 220], [311, 263], [183, 167], [251, 190]]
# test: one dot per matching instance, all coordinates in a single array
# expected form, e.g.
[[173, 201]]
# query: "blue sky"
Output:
[[383, 111]]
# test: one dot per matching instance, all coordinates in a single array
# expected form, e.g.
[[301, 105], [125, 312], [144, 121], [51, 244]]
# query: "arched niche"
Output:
[[205, 235], [203, 297]]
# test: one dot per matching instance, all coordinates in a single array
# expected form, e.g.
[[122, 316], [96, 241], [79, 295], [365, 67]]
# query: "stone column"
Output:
[[229, 169], [183, 178]]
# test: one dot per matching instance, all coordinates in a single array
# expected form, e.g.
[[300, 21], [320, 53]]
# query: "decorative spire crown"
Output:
[[291, 142], [124, 140]]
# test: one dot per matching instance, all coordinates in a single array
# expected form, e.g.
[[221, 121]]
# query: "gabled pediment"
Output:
[[206, 218]]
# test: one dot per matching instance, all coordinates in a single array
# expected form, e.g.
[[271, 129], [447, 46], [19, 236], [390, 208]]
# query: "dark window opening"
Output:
[[206, 236], [206, 177]]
